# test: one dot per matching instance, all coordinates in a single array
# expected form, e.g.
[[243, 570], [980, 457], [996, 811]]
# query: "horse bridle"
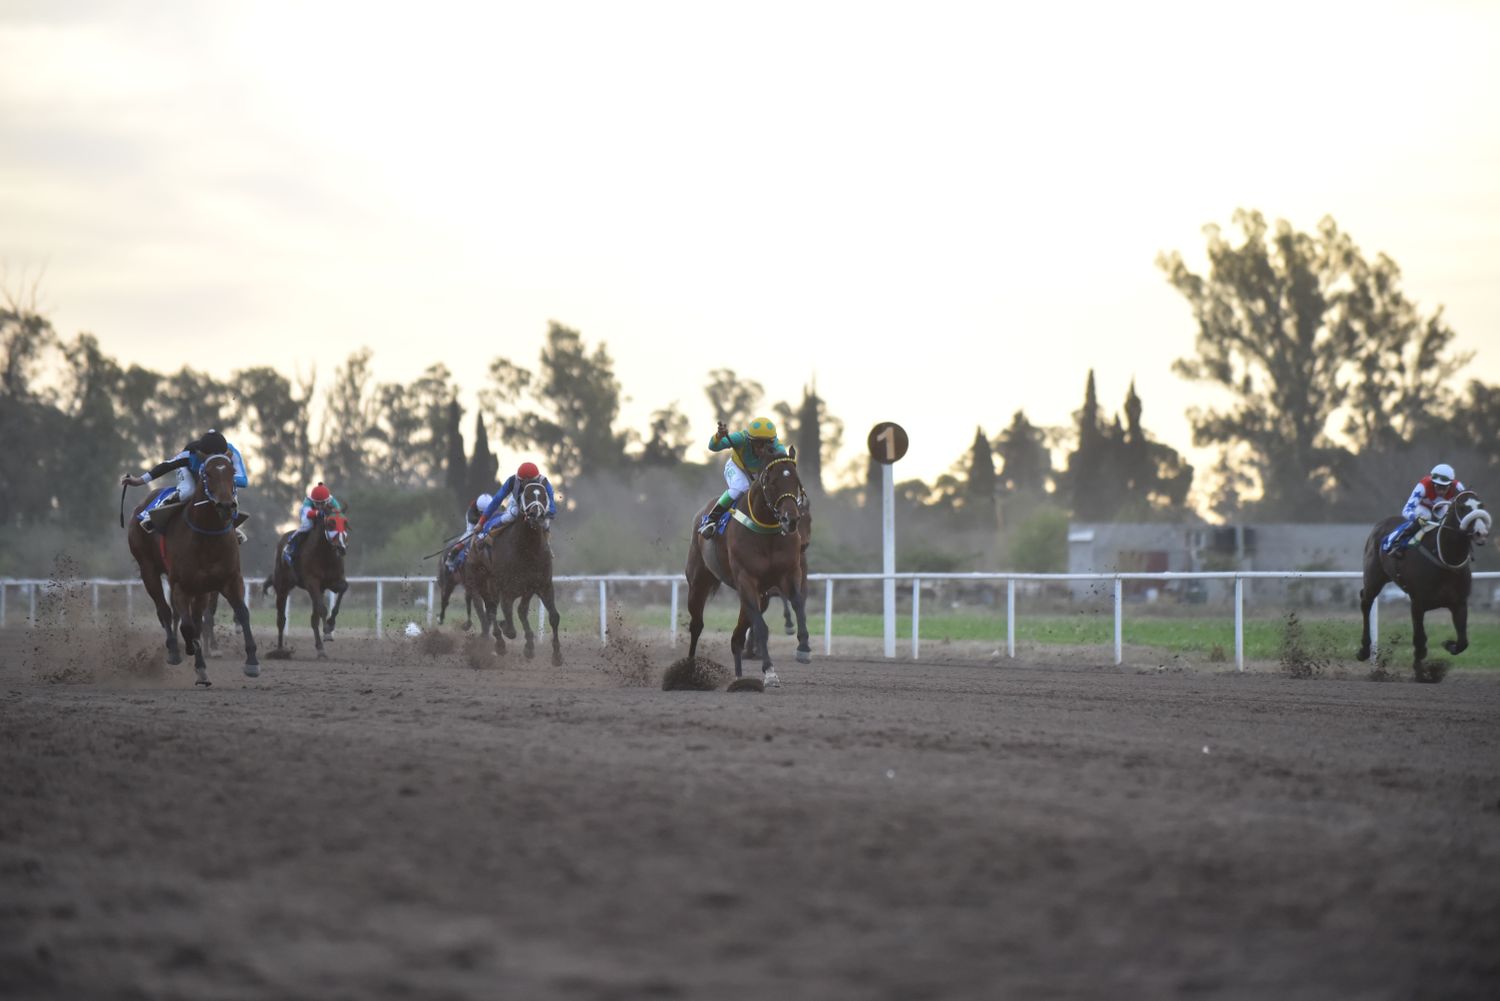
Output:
[[798, 498], [533, 507], [1462, 527], [226, 510]]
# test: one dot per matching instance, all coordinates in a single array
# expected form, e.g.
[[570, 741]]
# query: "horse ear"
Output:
[[792, 451]]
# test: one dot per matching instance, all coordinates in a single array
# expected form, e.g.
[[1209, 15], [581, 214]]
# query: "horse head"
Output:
[[781, 489], [216, 479], [1466, 514], [336, 530], [533, 503]]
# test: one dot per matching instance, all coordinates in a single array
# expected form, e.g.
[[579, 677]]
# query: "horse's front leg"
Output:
[[737, 638], [524, 614], [549, 602], [164, 614], [1418, 641], [188, 618], [804, 647], [1461, 626], [786, 615], [750, 608], [233, 593], [508, 625], [1367, 598], [332, 618], [319, 606]]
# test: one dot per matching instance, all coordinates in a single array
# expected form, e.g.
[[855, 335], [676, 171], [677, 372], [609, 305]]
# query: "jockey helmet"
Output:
[[483, 501], [762, 428], [212, 443], [528, 471], [1442, 475], [319, 494]]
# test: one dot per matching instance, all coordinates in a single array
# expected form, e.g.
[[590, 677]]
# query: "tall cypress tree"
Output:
[[457, 473], [484, 465], [810, 440], [979, 488]]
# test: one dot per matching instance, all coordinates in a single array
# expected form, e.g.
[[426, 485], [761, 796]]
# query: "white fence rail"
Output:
[[28, 588]]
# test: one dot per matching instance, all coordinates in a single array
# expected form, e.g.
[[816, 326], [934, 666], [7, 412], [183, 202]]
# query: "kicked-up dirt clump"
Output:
[[694, 674]]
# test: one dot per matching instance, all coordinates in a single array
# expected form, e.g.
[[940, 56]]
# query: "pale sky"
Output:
[[943, 212]]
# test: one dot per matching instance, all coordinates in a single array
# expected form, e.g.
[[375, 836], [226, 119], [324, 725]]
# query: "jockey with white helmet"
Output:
[[1429, 501], [454, 559]]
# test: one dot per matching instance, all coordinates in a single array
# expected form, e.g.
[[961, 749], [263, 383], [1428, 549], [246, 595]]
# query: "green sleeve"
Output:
[[735, 439]]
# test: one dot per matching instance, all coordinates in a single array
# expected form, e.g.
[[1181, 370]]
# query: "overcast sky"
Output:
[[943, 212]]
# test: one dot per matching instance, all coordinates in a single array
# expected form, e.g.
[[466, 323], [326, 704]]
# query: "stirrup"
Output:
[[707, 528]]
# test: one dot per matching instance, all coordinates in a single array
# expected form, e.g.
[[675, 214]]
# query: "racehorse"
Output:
[[198, 552], [516, 563], [761, 549], [1434, 572], [319, 569]]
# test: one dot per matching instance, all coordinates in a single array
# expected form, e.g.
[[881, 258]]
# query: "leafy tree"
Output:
[[29, 421], [817, 434], [1089, 473], [277, 414], [734, 400], [348, 423], [92, 447], [671, 434], [411, 426]]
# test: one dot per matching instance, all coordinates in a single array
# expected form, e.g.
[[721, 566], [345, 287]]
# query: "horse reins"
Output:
[[765, 493], [209, 498]]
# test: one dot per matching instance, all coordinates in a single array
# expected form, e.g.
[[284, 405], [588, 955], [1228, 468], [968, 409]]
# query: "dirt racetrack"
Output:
[[396, 823]]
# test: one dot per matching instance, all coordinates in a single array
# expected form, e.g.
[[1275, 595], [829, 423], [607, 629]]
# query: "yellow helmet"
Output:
[[761, 427]]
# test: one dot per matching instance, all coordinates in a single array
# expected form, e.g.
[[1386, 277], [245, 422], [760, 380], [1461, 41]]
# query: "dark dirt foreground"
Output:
[[395, 823]]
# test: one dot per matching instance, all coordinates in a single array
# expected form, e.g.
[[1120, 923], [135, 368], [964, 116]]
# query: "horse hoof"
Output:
[[252, 669], [1363, 653], [1452, 647], [328, 637], [530, 653], [510, 632], [791, 630], [322, 655], [804, 656], [203, 678], [772, 680], [557, 660], [173, 657]]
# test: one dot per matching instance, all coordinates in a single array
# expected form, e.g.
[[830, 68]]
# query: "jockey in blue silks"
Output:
[[188, 462], [504, 509], [1429, 500]]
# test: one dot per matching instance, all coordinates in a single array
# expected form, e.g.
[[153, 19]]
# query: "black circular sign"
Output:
[[887, 442]]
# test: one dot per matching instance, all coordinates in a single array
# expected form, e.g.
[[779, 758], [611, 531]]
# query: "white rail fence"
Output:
[[27, 589]]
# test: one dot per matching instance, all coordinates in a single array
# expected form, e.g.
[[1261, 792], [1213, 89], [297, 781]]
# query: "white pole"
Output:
[[888, 552], [1375, 622], [430, 594], [31, 604], [1239, 623], [1010, 618], [1119, 616], [916, 615], [379, 607], [246, 596], [603, 623], [2, 606], [828, 617], [95, 598], [673, 625], [129, 599]]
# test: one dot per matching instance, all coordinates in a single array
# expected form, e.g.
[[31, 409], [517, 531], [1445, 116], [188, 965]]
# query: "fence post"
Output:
[[246, 596], [1119, 617], [828, 617], [916, 614], [379, 608], [603, 621], [673, 626], [1010, 617], [430, 585], [129, 599], [94, 597], [2, 605], [31, 604], [1375, 622], [1239, 623]]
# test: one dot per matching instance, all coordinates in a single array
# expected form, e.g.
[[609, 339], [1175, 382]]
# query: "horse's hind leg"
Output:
[[189, 613], [331, 619], [1461, 626], [804, 647], [1418, 641], [315, 589], [524, 614], [549, 602], [164, 614], [233, 593], [282, 597], [1374, 584], [208, 623], [786, 614]]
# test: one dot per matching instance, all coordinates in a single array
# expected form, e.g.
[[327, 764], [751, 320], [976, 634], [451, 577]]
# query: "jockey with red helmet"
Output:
[[319, 503], [750, 450], [1429, 501], [503, 509]]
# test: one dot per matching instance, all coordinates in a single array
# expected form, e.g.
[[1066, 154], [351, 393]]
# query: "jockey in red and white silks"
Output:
[[1429, 500]]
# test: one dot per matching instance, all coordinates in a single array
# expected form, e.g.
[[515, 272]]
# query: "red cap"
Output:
[[319, 494], [528, 471]]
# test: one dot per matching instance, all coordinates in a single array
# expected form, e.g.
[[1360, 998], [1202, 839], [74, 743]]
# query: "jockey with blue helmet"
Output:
[[187, 463], [750, 451], [1429, 501]]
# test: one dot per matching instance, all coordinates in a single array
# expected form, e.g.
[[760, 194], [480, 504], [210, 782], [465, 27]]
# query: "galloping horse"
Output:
[[516, 564], [199, 554], [320, 568], [1434, 572], [760, 550]]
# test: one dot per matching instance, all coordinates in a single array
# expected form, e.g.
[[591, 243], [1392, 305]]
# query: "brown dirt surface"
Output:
[[413, 819]]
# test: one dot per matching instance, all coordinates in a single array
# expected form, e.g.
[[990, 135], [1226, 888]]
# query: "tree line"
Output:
[[1340, 391]]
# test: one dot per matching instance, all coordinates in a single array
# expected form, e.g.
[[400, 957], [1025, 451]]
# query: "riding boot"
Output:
[[711, 521]]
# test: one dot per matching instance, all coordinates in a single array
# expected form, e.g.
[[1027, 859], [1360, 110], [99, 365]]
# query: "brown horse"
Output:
[[195, 548], [319, 569], [516, 564], [804, 532], [760, 551], [447, 581], [1433, 571]]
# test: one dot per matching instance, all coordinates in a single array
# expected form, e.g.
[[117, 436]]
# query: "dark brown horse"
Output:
[[195, 548], [319, 570], [804, 532], [760, 551], [516, 564], [1434, 572]]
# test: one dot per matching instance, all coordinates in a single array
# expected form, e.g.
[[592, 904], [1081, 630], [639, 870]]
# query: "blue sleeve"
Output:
[[551, 498], [498, 501], [1418, 499], [241, 478]]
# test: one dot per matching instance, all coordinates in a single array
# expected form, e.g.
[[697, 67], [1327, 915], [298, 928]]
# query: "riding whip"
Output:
[[123, 487]]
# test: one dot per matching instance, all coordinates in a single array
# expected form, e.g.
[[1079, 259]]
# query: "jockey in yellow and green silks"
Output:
[[750, 449]]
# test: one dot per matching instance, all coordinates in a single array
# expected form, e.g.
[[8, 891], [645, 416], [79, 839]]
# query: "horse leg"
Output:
[[804, 647], [1418, 641], [508, 625], [737, 642], [524, 614], [208, 623], [446, 584], [315, 589], [234, 594], [750, 606], [1374, 583], [786, 614], [188, 622], [331, 618], [164, 614], [1461, 626], [549, 602], [282, 597]]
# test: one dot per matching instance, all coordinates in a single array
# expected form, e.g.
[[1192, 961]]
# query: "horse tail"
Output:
[[270, 583]]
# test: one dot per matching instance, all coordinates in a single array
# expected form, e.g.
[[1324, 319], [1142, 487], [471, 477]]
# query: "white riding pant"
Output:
[[187, 484], [736, 478]]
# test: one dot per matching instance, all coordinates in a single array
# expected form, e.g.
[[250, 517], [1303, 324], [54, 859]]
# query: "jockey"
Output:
[[503, 508], [318, 503], [471, 518], [187, 463], [1429, 500], [750, 449]]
